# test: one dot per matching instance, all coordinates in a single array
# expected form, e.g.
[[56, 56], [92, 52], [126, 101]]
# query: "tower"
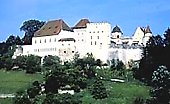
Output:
[[116, 35]]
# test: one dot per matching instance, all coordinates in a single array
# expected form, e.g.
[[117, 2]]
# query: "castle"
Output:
[[98, 38]]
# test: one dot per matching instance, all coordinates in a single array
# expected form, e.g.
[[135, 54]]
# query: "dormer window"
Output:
[[49, 28]]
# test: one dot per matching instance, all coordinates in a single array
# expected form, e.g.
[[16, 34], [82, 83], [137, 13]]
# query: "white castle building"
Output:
[[105, 43]]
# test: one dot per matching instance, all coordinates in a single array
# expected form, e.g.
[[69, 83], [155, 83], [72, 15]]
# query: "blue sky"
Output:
[[128, 14]]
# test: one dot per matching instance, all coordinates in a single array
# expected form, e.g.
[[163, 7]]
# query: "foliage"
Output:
[[3, 48], [156, 53], [22, 98], [161, 85], [34, 90], [30, 27], [51, 62], [29, 63], [6, 62], [99, 90], [62, 99], [12, 40]]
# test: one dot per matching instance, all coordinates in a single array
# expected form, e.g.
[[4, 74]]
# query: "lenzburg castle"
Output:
[[98, 38]]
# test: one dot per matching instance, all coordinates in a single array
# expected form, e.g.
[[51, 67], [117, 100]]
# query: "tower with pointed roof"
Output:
[[148, 34], [116, 35]]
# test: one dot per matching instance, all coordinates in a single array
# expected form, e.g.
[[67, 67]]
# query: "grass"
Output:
[[13, 81], [118, 93]]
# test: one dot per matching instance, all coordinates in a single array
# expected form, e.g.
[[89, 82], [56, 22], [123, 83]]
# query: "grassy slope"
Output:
[[118, 93], [12, 81]]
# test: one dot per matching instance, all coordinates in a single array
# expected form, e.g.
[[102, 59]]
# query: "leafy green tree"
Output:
[[51, 61], [62, 99], [167, 37], [113, 64], [4, 48], [30, 27], [18, 41], [6, 62], [153, 55], [161, 85], [33, 64], [99, 90], [22, 98], [34, 90], [29, 63], [11, 40], [99, 62]]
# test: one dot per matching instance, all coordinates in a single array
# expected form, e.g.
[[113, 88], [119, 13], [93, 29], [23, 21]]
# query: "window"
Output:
[[97, 31], [62, 44], [102, 31], [55, 40], [40, 41], [45, 41], [91, 43], [50, 40], [91, 37], [35, 41], [90, 32], [72, 51], [95, 43], [69, 44], [82, 40], [117, 36], [97, 37], [49, 28], [64, 51], [93, 31]]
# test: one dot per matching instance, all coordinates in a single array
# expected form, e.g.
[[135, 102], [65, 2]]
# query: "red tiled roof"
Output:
[[81, 24], [52, 28]]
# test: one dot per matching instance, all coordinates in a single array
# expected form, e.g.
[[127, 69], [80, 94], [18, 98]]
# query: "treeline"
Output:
[[29, 27]]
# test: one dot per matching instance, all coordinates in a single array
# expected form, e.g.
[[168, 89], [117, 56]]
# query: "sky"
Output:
[[127, 14]]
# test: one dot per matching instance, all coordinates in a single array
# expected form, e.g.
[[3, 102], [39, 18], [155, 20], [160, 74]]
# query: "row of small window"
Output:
[[45, 41], [65, 44], [45, 49], [48, 49], [67, 52], [96, 32], [92, 37], [95, 43]]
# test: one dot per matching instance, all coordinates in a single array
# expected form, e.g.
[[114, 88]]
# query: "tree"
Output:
[[161, 85], [62, 99], [18, 41], [3, 48], [167, 36], [11, 40], [99, 90], [153, 56], [30, 27], [29, 63], [22, 98]]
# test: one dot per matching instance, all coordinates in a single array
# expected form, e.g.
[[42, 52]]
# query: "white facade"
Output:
[[95, 38]]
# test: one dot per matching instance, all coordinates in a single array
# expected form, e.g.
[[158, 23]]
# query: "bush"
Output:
[[99, 90]]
